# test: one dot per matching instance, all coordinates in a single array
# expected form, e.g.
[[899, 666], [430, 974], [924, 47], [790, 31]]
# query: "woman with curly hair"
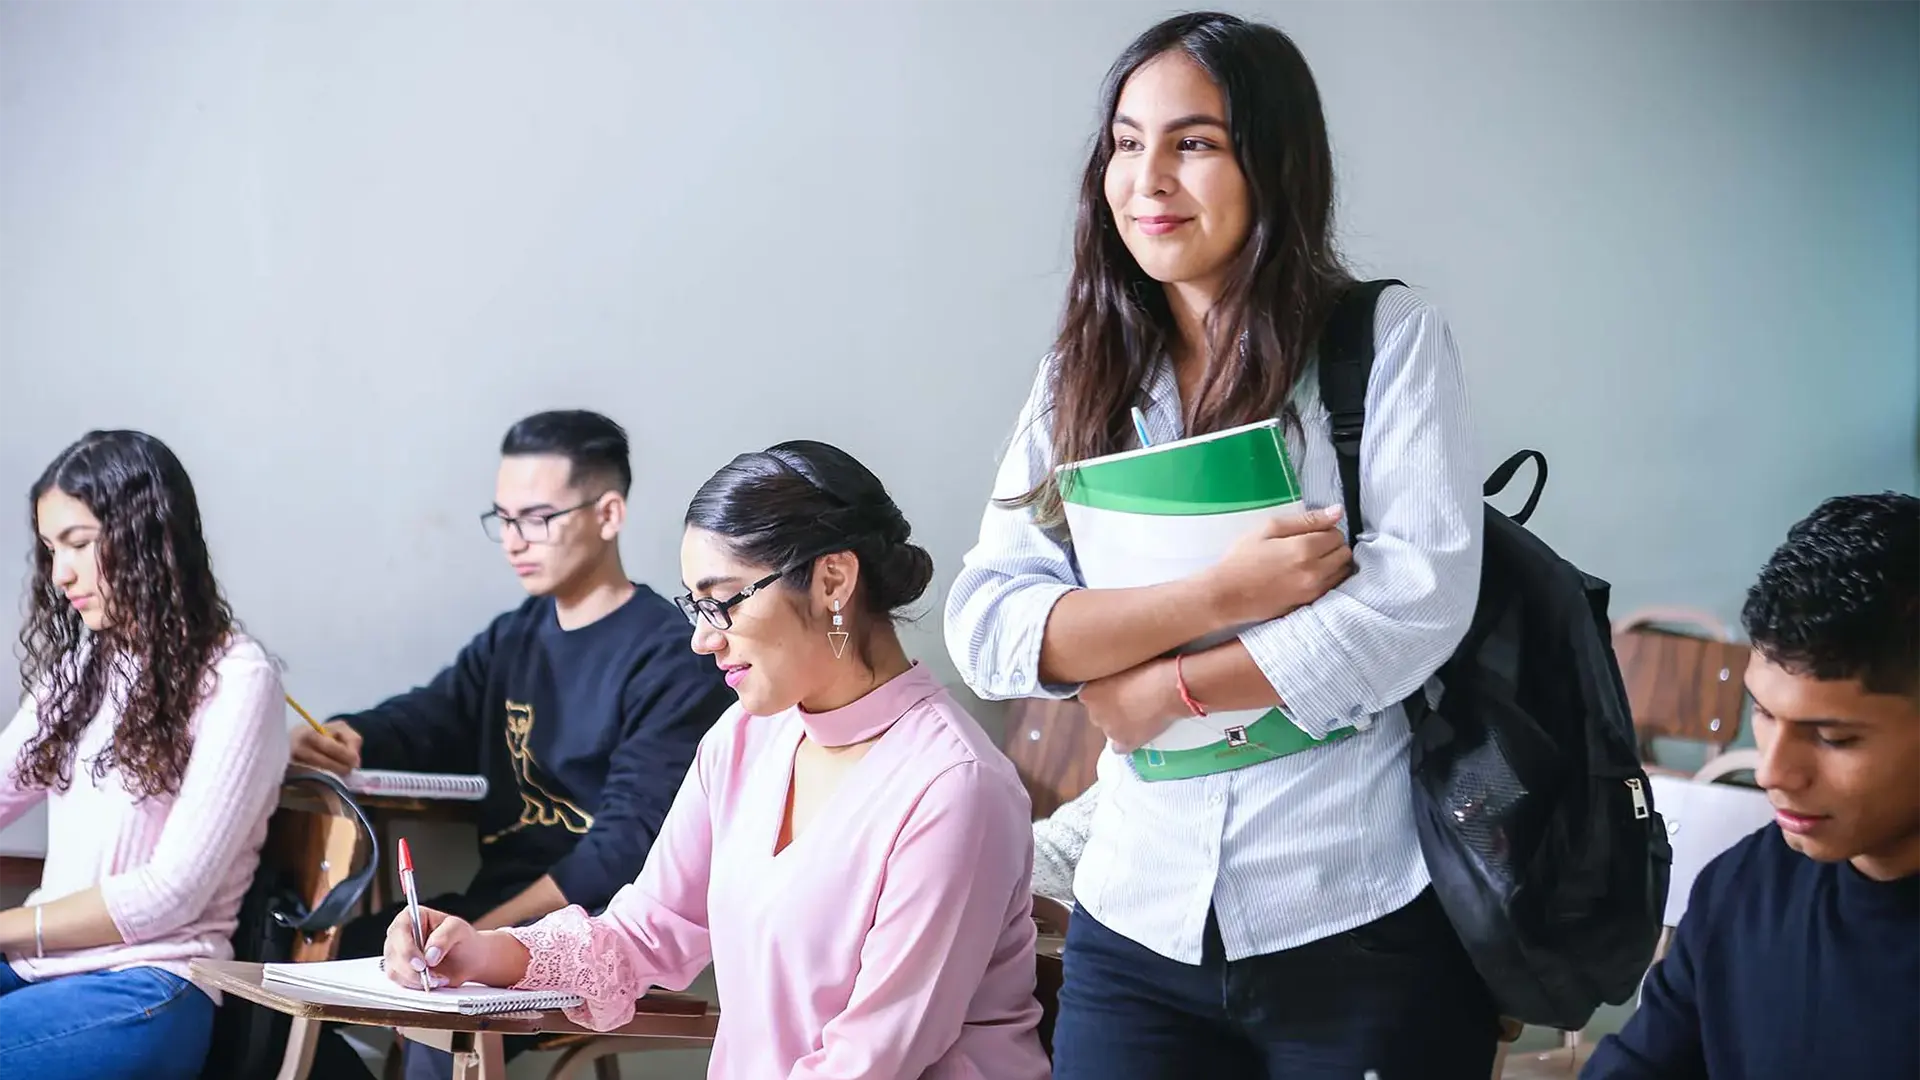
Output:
[[154, 731]]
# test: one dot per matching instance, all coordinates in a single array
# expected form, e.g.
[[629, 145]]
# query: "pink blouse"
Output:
[[891, 939]]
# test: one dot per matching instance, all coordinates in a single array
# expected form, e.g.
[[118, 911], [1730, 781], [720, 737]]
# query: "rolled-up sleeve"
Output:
[[997, 610], [1382, 633]]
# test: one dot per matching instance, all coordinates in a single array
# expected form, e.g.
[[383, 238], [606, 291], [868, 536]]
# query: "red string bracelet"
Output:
[[1180, 680]]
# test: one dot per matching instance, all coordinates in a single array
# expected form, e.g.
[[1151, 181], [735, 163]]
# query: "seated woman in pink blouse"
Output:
[[154, 732], [850, 851]]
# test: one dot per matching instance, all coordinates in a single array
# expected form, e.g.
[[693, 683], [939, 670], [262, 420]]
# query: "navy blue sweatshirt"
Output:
[[1783, 968], [584, 737]]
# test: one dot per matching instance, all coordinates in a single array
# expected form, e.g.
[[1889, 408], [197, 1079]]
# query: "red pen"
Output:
[[413, 909]]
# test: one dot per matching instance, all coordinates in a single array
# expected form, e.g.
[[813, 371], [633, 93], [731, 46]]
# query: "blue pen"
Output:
[[1140, 426]]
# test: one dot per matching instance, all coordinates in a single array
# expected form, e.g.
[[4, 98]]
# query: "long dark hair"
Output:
[[1282, 284], [786, 506], [167, 622]]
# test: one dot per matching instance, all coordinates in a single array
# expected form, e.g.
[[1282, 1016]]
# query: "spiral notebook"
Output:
[[417, 785], [366, 980], [1162, 512]]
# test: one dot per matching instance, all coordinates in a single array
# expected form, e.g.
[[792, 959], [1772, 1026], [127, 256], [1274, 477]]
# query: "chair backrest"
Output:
[[315, 843], [316, 840], [1054, 748], [1721, 769], [1679, 685], [1048, 975], [1703, 819]]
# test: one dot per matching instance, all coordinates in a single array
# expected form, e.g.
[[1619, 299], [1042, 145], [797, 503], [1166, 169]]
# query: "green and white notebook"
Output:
[[1163, 512]]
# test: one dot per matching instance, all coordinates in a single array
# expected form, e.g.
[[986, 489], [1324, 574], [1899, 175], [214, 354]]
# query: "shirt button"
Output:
[[1354, 712], [1216, 799]]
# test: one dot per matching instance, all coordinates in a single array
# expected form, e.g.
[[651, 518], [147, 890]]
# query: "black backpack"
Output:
[[1535, 817], [250, 1040]]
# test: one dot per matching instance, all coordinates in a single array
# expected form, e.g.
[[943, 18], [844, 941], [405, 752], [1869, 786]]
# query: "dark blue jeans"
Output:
[[139, 1024], [1397, 996]]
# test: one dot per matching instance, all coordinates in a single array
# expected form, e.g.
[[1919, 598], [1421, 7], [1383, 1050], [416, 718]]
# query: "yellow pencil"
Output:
[[308, 717]]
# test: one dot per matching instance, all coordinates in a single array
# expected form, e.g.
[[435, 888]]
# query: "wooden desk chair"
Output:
[[582, 1053], [1054, 749], [661, 1016], [579, 1051], [1723, 768], [20, 872], [314, 867], [1679, 685]]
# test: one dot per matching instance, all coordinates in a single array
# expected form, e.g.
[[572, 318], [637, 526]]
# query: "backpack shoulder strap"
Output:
[[1346, 362], [337, 906]]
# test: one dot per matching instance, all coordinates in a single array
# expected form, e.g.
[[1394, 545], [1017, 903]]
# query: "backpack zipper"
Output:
[[1640, 811]]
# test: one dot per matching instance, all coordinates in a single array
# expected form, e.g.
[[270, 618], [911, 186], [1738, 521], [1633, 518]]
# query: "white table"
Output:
[[1703, 820]]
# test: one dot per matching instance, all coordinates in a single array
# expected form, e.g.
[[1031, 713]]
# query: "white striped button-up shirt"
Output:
[[1316, 843]]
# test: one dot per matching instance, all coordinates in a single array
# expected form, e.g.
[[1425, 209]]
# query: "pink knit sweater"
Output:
[[171, 870]]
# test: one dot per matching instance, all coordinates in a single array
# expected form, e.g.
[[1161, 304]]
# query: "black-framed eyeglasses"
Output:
[[533, 528], [719, 613]]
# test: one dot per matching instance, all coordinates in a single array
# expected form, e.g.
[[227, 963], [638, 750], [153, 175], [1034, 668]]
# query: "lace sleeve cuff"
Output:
[[570, 952]]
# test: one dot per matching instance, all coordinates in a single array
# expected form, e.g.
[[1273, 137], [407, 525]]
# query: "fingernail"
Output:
[[418, 964], [439, 980], [434, 954], [1332, 512]]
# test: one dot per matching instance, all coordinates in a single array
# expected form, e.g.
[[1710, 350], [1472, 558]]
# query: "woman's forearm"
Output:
[[1094, 633], [80, 921], [1226, 678], [504, 959]]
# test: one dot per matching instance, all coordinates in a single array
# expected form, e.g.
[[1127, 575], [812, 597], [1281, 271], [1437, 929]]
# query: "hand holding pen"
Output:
[[413, 911], [439, 949]]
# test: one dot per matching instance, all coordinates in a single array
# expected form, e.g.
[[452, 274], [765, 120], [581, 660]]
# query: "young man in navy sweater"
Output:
[[1799, 954], [582, 707]]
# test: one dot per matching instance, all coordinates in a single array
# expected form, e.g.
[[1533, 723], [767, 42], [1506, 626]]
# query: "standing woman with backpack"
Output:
[[1275, 919], [154, 731]]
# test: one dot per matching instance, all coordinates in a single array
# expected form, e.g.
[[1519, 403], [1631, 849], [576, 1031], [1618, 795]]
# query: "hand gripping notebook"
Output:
[[1161, 513], [366, 980]]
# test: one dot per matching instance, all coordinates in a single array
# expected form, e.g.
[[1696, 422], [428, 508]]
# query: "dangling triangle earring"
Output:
[[837, 637]]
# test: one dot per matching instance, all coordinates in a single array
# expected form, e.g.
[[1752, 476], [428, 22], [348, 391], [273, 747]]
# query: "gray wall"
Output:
[[329, 252]]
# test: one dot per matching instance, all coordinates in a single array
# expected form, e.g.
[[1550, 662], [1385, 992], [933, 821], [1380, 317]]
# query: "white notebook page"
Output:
[[365, 980]]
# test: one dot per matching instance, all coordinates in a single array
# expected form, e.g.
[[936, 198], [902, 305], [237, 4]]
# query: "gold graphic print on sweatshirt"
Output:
[[538, 806]]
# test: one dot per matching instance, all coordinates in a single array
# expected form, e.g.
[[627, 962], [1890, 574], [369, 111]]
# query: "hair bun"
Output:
[[893, 525], [899, 575], [786, 506]]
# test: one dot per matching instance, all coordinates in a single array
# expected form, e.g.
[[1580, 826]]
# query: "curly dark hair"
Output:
[[1841, 598], [167, 622]]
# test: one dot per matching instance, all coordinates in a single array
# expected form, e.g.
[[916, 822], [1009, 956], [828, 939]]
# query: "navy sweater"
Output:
[[584, 737], [1783, 968]]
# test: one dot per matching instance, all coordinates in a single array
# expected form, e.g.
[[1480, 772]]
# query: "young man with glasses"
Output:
[[582, 707]]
